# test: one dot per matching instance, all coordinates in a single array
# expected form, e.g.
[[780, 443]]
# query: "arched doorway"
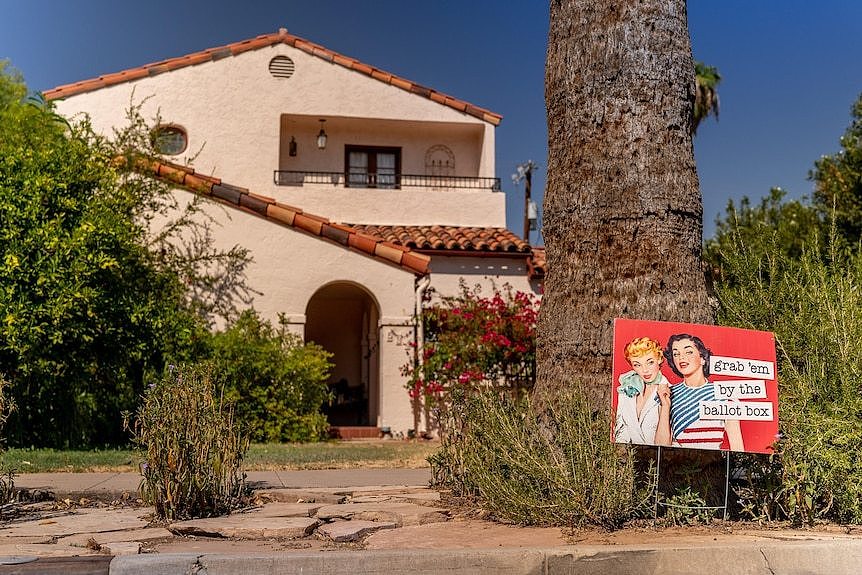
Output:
[[342, 318]]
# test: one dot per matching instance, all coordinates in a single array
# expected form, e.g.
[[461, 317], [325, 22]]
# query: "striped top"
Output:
[[687, 429]]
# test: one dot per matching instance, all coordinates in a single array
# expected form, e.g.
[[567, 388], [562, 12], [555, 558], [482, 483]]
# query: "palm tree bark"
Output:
[[622, 210]]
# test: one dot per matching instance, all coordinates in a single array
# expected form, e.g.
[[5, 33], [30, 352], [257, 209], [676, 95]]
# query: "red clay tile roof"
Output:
[[537, 265], [285, 215], [399, 245], [280, 37], [450, 238], [462, 241]]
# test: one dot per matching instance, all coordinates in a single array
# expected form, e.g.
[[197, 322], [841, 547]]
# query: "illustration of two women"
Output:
[[676, 419]]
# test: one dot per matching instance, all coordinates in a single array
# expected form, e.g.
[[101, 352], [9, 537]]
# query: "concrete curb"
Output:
[[837, 557]]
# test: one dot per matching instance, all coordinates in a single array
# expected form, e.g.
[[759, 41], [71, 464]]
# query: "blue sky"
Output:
[[791, 68]]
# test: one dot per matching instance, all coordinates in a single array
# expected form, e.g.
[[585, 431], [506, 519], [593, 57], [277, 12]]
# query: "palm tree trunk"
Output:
[[622, 210]]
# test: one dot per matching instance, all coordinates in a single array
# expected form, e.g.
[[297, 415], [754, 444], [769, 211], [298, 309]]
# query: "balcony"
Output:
[[384, 181]]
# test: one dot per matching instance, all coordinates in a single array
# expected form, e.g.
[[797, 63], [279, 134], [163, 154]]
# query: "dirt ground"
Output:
[[466, 528]]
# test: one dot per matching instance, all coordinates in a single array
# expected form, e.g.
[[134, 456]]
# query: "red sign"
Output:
[[694, 386]]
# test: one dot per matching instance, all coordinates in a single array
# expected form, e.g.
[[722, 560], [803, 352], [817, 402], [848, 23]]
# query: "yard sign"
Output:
[[694, 386]]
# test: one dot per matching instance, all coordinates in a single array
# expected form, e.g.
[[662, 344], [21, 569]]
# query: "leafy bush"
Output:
[[552, 468], [93, 300], [813, 303], [278, 383], [794, 267], [7, 479], [472, 342], [191, 444], [776, 224], [838, 181]]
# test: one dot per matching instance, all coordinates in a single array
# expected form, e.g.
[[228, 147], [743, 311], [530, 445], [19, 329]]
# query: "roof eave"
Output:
[[288, 216], [263, 41]]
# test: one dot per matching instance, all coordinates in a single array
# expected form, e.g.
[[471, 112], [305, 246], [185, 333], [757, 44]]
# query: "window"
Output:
[[170, 140], [372, 167]]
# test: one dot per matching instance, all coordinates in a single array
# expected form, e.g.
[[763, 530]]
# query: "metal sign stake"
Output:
[[726, 455]]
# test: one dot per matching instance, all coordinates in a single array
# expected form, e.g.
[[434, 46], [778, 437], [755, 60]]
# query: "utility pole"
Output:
[[525, 172]]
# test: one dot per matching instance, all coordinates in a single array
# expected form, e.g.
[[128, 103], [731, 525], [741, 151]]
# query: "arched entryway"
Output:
[[342, 318]]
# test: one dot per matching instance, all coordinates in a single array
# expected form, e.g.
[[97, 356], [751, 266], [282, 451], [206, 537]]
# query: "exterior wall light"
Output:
[[321, 137]]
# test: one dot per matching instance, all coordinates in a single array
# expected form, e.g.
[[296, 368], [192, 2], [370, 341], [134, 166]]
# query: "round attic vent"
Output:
[[281, 67]]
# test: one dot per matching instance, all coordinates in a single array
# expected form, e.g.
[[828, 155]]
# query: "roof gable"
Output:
[[266, 40]]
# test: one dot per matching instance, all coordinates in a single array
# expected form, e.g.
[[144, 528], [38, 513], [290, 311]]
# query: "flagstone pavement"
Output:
[[314, 512]]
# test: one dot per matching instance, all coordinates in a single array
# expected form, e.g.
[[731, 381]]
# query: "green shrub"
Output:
[[95, 297], [555, 468], [278, 383], [192, 446], [813, 303]]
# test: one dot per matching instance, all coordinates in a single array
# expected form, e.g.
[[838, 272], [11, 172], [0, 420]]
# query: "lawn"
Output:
[[327, 455]]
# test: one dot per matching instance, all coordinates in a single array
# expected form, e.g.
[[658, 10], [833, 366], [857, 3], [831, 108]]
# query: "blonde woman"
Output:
[[643, 402]]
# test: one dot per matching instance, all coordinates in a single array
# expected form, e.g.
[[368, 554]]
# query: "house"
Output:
[[355, 191]]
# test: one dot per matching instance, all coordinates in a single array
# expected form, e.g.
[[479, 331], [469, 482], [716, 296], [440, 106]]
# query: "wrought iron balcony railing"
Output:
[[383, 181]]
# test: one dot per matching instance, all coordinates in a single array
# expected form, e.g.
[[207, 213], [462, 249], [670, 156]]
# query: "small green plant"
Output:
[[191, 444], [7, 406], [686, 507], [552, 468], [760, 491]]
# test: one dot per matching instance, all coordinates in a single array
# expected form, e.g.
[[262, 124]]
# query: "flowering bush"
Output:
[[472, 342]]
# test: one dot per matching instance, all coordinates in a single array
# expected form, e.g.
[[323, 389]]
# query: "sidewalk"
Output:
[[117, 483], [378, 521]]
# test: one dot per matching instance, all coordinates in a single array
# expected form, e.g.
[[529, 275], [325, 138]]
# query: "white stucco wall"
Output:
[[290, 266], [488, 272], [399, 207], [233, 109]]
